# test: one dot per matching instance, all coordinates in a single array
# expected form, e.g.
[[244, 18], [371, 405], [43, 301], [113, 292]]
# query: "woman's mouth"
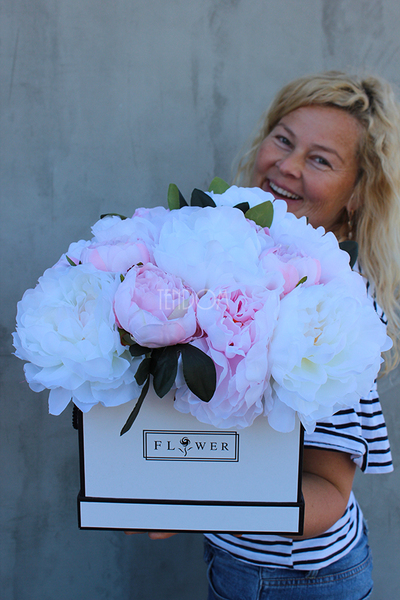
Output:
[[283, 193]]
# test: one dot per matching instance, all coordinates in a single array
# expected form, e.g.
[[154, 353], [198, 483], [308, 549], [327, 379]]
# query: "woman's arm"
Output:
[[327, 482]]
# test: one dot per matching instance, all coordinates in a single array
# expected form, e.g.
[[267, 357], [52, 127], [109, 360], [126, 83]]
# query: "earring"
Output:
[[350, 225]]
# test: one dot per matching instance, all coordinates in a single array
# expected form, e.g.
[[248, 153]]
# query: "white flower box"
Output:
[[170, 472]]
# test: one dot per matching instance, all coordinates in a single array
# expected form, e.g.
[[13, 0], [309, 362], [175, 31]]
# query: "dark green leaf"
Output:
[[182, 201], [113, 215], [164, 366], [126, 339], [175, 198], [131, 419], [143, 371], [137, 350], [71, 262], [262, 214], [218, 186], [351, 248], [302, 280], [200, 198], [198, 371], [243, 206]]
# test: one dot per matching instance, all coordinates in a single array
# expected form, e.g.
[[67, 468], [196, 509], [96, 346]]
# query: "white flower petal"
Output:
[[66, 330]]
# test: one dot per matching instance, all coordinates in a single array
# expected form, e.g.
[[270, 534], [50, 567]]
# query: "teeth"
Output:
[[282, 192]]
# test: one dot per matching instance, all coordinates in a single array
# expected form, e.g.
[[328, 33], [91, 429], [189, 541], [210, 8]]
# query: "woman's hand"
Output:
[[153, 535]]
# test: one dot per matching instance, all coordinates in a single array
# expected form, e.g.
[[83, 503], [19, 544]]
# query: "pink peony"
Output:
[[241, 384], [144, 225], [236, 317], [291, 233], [117, 257], [155, 307], [293, 264], [239, 322]]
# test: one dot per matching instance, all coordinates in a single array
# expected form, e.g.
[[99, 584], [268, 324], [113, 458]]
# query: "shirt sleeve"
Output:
[[360, 432]]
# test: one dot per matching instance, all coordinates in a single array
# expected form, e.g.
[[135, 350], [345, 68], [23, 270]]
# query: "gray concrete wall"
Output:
[[103, 104]]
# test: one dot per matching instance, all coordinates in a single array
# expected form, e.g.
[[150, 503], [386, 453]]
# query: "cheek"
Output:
[[258, 162], [265, 157], [330, 194]]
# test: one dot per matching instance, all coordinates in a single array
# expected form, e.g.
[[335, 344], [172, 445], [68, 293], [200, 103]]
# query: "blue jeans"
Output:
[[349, 578]]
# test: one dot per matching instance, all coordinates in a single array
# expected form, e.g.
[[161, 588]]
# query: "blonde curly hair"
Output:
[[377, 193]]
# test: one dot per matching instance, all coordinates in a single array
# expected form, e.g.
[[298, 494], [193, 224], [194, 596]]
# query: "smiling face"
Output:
[[310, 160]]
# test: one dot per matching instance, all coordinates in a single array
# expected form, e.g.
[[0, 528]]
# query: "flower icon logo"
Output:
[[185, 443]]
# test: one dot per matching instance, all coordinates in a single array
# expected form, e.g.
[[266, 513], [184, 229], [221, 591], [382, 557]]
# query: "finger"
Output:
[[160, 535]]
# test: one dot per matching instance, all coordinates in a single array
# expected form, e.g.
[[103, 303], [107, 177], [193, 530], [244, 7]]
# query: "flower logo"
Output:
[[185, 443]]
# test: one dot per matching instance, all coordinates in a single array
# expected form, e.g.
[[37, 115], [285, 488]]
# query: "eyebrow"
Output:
[[316, 146]]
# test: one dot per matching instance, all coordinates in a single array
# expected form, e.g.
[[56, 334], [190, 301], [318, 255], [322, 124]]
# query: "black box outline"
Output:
[[82, 498]]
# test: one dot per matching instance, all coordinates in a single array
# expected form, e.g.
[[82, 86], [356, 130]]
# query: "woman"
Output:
[[330, 147]]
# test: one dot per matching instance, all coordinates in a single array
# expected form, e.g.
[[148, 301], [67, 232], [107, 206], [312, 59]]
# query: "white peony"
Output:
[[237, 195], [66, 330], [325, 352], [208, 247]]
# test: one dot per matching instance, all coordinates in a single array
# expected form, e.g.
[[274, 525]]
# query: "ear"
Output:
[[355, 200]]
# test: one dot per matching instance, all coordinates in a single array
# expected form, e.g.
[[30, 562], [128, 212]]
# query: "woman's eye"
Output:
[[322, 161], [283, 140]]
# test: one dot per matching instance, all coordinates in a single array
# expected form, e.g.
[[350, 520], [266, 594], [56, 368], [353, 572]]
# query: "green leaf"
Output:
[[302, 280], [198, 371], [175, 198], [137, 350], [200, 198], [126, 338], [131, 419], [262, 214], [351, 247], [218, 186], [143, 371], [113, 215], [243, 206], [164, 366], [71, 262]]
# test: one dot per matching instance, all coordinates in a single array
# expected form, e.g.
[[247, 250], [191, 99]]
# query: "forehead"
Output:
[[324, 126]]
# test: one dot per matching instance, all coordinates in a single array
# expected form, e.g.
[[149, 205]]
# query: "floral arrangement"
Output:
[[236, 305]]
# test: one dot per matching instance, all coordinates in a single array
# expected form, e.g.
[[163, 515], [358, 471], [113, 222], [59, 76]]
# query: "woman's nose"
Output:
[[291, 165]]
